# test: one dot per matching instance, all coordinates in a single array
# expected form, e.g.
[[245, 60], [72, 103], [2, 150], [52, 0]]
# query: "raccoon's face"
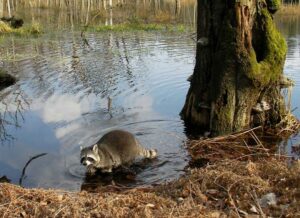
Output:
[[89, 156]]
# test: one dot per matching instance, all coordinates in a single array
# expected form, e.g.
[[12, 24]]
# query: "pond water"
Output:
[[289, 26], [61, 100]]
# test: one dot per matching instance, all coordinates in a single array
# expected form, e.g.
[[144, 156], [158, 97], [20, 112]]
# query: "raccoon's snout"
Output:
[[83, 161], [86, 161]]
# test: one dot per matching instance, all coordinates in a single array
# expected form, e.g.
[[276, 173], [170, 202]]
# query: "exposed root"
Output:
[[289, 125]]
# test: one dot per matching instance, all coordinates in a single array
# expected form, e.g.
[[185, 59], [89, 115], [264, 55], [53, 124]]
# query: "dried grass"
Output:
[[227, 188], [4, 28], [289, 9], [244, 145], [33, 29], [240, 171], [17, 202]]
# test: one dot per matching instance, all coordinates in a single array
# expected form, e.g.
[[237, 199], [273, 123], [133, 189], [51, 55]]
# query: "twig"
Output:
[[28, 162], [170, 215], [255, 198], [259, 142], [232, 201], [249, 155], [60, 210]]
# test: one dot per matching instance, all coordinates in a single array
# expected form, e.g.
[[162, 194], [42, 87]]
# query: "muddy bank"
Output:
[[266, 186]]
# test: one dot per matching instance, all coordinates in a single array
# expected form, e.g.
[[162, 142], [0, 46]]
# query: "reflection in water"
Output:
[[11, 112], [61, 101], [290, 28], [68, 86], [121, 176], [26, 165], [65, 14]]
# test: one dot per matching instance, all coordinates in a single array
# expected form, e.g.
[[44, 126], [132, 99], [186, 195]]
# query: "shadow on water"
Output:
[[122, 176]]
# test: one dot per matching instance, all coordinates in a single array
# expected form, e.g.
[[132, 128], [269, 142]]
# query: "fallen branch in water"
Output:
[[28, 162]]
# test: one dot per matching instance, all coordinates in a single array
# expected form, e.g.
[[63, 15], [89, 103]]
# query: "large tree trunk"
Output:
[[239, 64]]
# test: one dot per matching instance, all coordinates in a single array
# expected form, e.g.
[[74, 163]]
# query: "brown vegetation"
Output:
[[228, 188], [240, 174], [289, 9], [33, 29]]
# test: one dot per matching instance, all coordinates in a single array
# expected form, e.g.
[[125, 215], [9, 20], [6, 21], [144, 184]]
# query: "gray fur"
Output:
[[114, 149]]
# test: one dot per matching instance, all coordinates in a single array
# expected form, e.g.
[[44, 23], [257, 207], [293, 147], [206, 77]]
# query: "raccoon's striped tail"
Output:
[[151, 153]]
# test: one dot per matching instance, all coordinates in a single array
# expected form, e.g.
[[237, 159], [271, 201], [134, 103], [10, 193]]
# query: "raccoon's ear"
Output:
[[81, 147], [95, 148]]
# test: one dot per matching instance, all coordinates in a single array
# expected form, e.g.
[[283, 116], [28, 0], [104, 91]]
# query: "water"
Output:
[[289, 26], [60, 101]]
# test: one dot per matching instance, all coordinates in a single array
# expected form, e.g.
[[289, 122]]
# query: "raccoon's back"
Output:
[[120, 143]]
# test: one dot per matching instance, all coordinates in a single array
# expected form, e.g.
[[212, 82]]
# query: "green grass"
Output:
[[33, 29], [138, 27]]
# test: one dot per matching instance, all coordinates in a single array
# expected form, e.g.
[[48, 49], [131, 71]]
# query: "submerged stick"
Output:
[[28, 162]]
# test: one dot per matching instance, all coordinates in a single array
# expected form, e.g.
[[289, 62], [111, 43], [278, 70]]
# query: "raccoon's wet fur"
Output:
[[114, 149]]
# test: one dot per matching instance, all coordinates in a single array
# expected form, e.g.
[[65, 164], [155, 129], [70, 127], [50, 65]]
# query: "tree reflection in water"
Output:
[[11, 111]]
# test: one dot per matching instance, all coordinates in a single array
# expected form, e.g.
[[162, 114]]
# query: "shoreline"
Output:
[[229, 186]]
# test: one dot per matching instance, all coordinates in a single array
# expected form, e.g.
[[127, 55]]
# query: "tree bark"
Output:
[[239, 65]]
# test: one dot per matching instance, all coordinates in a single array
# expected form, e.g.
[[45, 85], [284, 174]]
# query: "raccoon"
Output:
[[115, 148]]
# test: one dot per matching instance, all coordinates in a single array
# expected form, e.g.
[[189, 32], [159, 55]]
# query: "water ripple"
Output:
[[68, 86]]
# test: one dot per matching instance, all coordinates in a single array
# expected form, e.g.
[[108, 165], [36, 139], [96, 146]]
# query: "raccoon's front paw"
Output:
[[106, 170]]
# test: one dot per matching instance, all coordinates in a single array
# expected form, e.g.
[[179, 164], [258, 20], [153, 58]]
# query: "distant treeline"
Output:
[[12, 4], [7, 7], [91, 4], [290, 1]]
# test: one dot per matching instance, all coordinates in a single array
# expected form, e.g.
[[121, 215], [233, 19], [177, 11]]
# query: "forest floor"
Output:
[[229, 176]]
